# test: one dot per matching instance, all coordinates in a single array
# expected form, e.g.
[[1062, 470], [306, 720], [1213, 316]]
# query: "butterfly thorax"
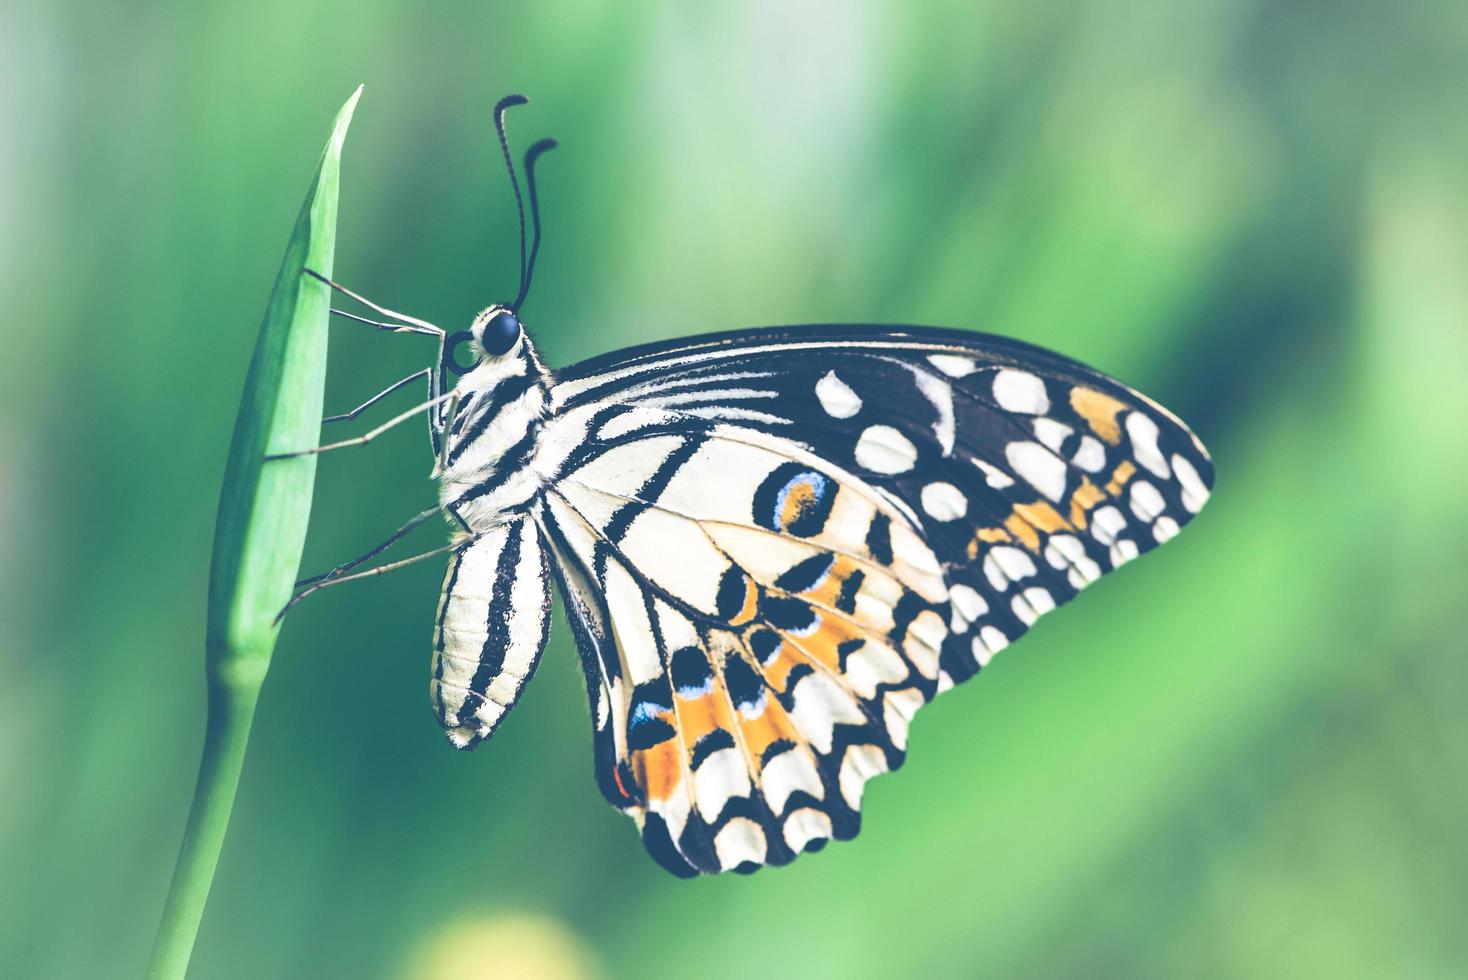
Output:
[[502, 404]]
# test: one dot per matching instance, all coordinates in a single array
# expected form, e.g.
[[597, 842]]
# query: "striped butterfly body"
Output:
[[773, 546]]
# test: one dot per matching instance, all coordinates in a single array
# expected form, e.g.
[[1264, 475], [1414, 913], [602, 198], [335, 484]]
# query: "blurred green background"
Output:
[[1241, 757]]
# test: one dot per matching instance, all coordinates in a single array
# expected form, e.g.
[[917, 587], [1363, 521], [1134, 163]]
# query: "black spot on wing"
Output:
[[846, 648], [765, 644], [644, 733], [850, 586], [806, 575], [691, 672], [659, 844], [697, 844], [733, 590], [879, 539], [647, 723], [794, 499], [745, 686], [797, 673], [778, 747], [786, 613], [709, 744]]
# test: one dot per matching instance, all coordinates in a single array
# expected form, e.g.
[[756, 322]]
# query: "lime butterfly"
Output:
[[773, 546]]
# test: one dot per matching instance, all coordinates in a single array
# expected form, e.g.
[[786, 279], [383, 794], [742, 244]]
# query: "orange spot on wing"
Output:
[[828, 590], [1123, 473], [658, 769], [750, 607], [699, 716], [778, 672], [1086, 496], [987, 535], [798, 497], [1043, 516], [770, 726], [1099, 411], [1022, 530]]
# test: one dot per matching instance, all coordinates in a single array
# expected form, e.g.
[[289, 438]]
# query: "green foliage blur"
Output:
[[1241, 757]]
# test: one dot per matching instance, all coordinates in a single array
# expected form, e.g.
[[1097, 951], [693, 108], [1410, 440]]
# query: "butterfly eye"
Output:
[[451, 354], [500, 334]]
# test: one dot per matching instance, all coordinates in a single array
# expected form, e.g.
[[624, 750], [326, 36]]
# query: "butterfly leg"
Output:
[[442, 462], [402, 532], [375, 570], [392, 539], [348, 416], [406, 322], [363, 440]]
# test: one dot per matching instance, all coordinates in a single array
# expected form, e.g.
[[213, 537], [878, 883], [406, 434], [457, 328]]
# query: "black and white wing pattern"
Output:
[[776, 546]]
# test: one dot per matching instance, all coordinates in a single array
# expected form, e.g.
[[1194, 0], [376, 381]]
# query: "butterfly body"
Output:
[[773, 547]]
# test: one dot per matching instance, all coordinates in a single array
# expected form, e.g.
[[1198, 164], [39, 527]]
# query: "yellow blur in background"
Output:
[[1241, 757]]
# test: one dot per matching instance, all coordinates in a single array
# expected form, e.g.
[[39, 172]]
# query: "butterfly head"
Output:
[[495, 344]]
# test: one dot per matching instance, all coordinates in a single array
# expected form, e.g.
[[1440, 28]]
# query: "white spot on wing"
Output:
[[1123, 551], [940, 395], [968, 606], [989, 642], [1031, 604], [721, 776], [1091, 456], [1020, 391], [1052, 433], [994, 476], [882, 449], [1065, 552], [820, 705], [741, 840], [1146, 501], [1106, 524], [925, 636], [1039, 467], [953, 365], [872, 664], [837, 397], [786, 773], [1195, 494], [860, 763], [1143, 432], [804, 826], [944, 502], [1004, 564], [900, 707]]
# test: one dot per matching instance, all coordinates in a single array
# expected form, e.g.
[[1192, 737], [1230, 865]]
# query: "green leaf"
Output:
[[265, 505]]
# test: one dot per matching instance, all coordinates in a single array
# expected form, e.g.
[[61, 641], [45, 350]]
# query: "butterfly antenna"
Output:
[[499, 128], [531, 155]]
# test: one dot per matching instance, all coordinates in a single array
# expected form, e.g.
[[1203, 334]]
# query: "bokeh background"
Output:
[[1244, 756]]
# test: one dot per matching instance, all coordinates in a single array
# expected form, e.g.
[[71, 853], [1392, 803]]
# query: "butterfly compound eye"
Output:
[[500, 334]]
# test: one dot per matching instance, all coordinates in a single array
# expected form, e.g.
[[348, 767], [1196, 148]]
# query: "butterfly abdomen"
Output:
[[493, 620]]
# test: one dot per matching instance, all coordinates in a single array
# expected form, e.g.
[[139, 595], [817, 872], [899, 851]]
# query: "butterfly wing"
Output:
[[777, 545]]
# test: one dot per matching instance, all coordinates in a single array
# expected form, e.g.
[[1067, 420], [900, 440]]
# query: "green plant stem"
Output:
[[230, 712]]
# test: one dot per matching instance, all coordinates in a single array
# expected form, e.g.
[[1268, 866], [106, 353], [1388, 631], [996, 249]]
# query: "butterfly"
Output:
[[772, 546]]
